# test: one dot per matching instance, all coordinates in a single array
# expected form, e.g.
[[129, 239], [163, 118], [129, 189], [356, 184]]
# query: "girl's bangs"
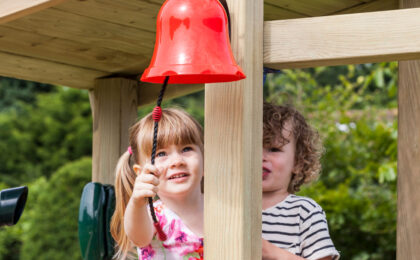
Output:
[[174, 128]]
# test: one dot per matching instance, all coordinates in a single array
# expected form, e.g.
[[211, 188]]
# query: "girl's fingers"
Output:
[[145, 186], [148, 178], [150, 169]]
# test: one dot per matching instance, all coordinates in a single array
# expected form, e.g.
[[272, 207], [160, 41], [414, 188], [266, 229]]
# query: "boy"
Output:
[[293, 227]]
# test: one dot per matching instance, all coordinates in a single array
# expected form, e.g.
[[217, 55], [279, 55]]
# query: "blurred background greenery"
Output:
[[46, 137]]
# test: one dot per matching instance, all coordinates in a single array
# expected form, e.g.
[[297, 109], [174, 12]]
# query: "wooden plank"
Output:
[[148, 93], [137, 14], [57, 50], [14, 9], [408, 221], [60, 24], [27, 68], [313, 7], [342, 39], [373, 6], [114, 109], [233, 145]]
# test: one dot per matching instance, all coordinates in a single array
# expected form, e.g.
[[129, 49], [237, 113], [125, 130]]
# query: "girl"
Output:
[[175, 178]]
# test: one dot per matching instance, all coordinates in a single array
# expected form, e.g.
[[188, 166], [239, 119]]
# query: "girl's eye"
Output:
[[187, 149], [275, 150], [160, 154]]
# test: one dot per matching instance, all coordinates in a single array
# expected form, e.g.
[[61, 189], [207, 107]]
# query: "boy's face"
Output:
[[278, 163]]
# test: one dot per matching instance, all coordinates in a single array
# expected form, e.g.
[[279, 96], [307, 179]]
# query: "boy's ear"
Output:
[[137, 169]]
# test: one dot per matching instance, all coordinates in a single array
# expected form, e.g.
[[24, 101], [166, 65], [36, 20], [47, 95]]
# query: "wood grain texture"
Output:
[[342, 39], [114, 109], [14, 9], [37, 46], [93, 32], [233, 145], [44, 71], [408, 221], [137, 14]]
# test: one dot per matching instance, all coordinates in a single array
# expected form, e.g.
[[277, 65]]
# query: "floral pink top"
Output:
[[181, 244]]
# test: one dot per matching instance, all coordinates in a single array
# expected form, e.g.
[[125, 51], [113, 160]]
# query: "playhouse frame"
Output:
[[233, 111]]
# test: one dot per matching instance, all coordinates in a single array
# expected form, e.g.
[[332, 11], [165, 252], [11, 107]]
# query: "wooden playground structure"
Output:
[[103, 45]]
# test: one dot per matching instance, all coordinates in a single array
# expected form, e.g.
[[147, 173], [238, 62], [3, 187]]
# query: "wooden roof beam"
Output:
[[342, 39], [14, 9]]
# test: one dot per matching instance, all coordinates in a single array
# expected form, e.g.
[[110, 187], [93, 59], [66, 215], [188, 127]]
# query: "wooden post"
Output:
[[233, 145], [408, 224], [114, 109]]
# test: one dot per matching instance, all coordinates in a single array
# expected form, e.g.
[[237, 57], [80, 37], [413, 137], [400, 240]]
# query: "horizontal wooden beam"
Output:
[[14, 9], [148, 93], [27, 68], [343, 39]]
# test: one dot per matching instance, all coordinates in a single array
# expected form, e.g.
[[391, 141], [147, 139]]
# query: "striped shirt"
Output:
[[298, 224]]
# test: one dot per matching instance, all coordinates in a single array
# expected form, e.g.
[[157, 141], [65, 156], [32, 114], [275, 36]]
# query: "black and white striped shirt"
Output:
[[298, 224]]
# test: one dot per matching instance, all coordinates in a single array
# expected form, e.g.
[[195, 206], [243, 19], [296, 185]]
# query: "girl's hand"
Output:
[[146, 184]]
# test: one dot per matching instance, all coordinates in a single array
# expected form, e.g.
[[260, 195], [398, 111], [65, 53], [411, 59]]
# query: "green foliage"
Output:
[[38, 138], [49, 222], [14, 91], [192, 103], [353, 109]]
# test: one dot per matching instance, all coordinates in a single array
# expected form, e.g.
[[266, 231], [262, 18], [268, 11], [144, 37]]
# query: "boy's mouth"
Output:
[[265, 173]]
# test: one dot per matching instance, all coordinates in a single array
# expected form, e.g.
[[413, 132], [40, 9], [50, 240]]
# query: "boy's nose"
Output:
[[264, 155]]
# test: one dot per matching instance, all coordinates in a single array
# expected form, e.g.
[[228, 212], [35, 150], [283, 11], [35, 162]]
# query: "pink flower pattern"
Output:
[[182, 243]]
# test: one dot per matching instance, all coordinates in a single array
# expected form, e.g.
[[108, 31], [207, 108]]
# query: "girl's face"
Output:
[[278, 163], [181, 169]]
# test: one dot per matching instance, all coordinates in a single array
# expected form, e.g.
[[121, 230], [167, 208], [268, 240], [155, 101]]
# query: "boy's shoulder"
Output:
[[309, 204]]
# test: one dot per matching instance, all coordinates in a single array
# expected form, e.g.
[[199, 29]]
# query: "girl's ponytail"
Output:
[[124, 182]]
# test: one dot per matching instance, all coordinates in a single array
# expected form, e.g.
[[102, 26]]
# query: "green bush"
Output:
[[51, 218]]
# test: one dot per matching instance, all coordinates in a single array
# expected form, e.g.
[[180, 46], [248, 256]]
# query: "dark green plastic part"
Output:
[[12, 203], [96, 208]]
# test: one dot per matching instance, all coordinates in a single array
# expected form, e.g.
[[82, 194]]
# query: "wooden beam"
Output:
[[408, 227], [342, 39], [233, 145], [148, 93], [44, 71], [14, 9], [38, 46], [139, 14], [92, 32], [114, 109]]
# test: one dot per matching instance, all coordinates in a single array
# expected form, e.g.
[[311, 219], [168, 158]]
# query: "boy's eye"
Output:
[[275, 149], [160, 154], [187, 149]]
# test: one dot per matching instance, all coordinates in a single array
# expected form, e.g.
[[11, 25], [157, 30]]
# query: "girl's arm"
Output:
[[137, 221], [272, 252]]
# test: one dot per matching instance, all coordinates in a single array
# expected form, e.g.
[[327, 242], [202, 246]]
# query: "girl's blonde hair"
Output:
[[175, 127]]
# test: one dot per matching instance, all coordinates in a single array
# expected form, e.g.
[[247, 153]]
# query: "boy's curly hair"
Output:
[[308, 142]]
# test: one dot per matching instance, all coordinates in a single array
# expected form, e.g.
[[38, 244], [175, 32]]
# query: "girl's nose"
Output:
[[176, 159]]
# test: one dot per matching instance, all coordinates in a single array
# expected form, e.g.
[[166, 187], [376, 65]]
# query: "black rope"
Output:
[[155, 132]]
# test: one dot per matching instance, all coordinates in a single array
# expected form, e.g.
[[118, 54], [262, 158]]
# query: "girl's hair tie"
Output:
[[129, 150]]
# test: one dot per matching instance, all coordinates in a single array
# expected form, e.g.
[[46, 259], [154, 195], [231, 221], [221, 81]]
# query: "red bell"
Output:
[[192, 44]]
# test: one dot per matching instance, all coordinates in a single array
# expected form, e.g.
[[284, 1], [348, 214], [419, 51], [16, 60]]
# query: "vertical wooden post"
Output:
[[408, 224], [114, 109], [233, 145]]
